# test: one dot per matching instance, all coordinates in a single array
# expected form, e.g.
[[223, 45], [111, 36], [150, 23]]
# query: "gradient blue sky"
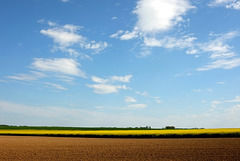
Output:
[[120, 63]]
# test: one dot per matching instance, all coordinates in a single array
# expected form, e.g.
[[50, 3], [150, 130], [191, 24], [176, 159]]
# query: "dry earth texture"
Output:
[[72, 148]]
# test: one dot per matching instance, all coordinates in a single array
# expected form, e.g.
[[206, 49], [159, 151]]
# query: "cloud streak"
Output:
[[129, 99], [28, 77], [230, 4], [108, 85], [58, 65], [67, 39]]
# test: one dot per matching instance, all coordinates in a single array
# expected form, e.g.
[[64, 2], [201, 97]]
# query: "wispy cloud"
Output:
[[28, 77], [124, 79], [221, 55], [222, 83], [56, 86], [184, 42], [64, 35], [125, 35], [51, 115], [3, 81], [67, 39], [218, 47], [236, 100], [222, 64], [108, 85], [134, 106], [58, 65], [129, 99], [214, 103], [65, 0], [142, 93], [233, 113], [106, 88], [158, 100], [232, 4], [197, 90], [96, 46], [114, 18], [99, 80], [65, 78]]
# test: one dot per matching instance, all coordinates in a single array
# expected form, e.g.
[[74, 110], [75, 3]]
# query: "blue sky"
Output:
[[120, 63]]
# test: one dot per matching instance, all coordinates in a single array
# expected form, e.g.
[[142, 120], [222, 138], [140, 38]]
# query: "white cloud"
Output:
[[232, 4], [114, 18], [72, 52], [97, 47], [154, 16], [218, 47], [58, 65], [183, 42], [3, 81], [220, 53], [116, 35], [106, 88], [125, 35], [236, 100], [220, 2], [99, 107], [99, 80], [56, 86], [221, 83], [125, 78], [136, 106], [112, 79], [41, 21], [157, 16], [143, 93], [65, 78], [129, 99], [62, 116], [64, 35], [65, 0], [28, 77], [233, 113], [222, 64], [144, 53], [197, 90], [128, 35], [235, 5], [214, 104], [51, 23], [209, 90], [157, 100], [49, 115]]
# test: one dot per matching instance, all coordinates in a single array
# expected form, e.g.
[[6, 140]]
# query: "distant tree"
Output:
[[170, 127]]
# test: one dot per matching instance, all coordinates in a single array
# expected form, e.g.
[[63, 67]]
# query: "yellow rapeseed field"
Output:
[[152, 133]]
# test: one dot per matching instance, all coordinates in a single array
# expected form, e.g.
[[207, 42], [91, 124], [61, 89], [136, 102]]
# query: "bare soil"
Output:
[[67, 148]]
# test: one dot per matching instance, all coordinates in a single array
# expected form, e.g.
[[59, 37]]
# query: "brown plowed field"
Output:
[[66, 148]]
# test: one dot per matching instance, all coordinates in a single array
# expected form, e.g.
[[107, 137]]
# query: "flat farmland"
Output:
[[75, 148]]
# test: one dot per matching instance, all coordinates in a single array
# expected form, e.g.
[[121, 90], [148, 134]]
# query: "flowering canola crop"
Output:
[[126, 133]]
